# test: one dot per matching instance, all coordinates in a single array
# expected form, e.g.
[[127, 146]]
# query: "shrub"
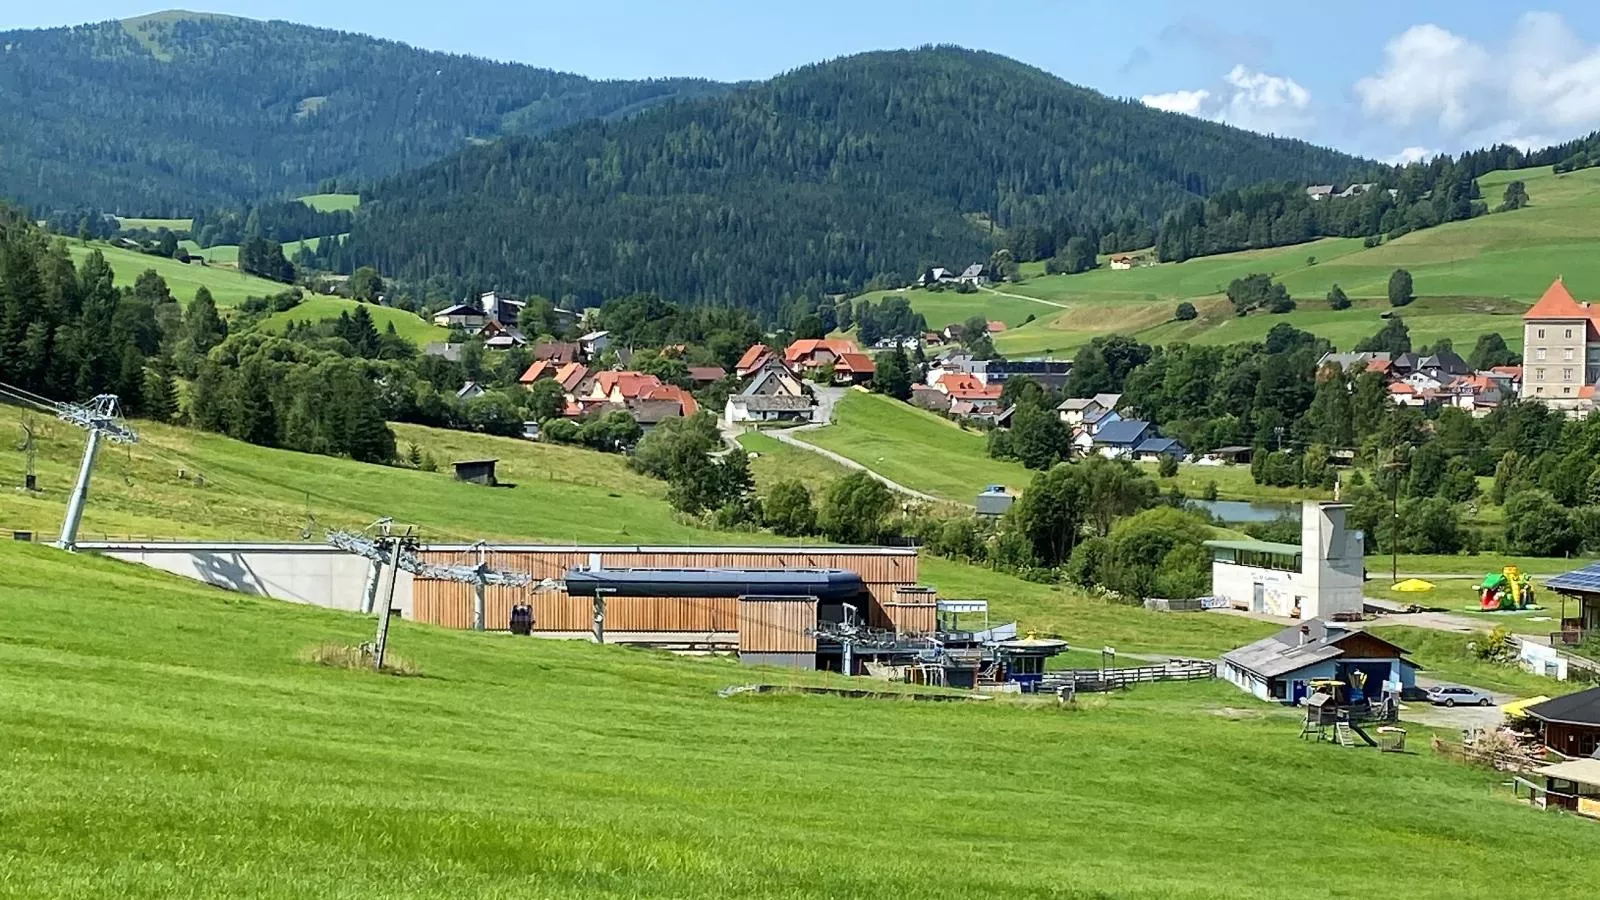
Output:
[[343, 656], [1167, 467]]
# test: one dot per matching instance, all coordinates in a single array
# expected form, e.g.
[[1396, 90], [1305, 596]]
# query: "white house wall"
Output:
[[1237, 584]]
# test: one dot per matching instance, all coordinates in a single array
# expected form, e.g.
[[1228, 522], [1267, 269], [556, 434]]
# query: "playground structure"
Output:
[[1505, 591]]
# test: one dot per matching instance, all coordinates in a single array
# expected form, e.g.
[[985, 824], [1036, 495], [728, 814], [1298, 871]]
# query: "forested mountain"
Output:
[[167, 113], [816, 181]]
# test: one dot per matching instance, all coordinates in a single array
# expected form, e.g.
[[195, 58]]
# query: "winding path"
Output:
[[1054, 303], [826, 398]]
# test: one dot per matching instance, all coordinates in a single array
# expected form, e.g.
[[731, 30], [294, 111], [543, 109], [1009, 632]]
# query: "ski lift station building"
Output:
[[1319, 578]]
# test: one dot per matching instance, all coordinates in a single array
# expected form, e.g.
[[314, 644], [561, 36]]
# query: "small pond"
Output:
[[1247, 511]]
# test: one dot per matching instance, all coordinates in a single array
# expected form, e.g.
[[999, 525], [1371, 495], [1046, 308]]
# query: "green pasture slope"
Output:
[[316, 308], [162, 738], [228, 286], [1471, 277], [915, 448], [155, 224]]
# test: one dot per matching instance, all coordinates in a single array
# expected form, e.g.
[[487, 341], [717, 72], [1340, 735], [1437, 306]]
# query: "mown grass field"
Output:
[[331, 202], [1471, 277], [317, 308], [915, 448], [180, 746], [228, 286], [155, 224], [943, 308], [776, 461]]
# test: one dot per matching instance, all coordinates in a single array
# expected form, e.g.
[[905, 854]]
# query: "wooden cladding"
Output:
[[449, 603], [912, 610], [777, 624]]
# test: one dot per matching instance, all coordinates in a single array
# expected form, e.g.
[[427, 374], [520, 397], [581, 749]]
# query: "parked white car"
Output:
[[1457, 695]]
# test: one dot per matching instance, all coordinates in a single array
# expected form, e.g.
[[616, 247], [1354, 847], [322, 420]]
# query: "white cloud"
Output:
[[1245, 98], [1262, 102], [1410, 155], [1544, 80], [1186, 102]]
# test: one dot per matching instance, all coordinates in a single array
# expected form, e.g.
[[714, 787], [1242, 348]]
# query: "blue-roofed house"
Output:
[[1118, 439], [1151, 449], [1583, 587]]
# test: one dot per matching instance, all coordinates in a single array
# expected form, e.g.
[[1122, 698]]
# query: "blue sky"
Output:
[[1384, 79]]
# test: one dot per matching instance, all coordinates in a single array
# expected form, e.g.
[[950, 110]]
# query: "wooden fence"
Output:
[[1112, 679]]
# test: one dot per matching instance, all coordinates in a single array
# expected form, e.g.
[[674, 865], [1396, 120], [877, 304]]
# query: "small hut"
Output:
[[477, 471]]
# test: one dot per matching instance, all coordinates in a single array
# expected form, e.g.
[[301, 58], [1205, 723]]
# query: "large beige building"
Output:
[[1561, 350]]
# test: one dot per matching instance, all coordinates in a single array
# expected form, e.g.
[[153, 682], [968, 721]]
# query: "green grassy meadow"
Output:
[[915, 448], [155, 224], [316, 308], [776, 461], [1471, 277], [181, 747], [228, 286], [331, 202]]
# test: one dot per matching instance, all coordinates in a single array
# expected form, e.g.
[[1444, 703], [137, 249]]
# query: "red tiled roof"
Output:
[[1512, 371], [996, 327], [983, 392], [631, 385], [1586, 392], [802, 349], [1557, 304], [1378, 365], [752, 358], [951, 382], [859, 363], [686, 402], [538, 370], [571, 374], [1400, 387]]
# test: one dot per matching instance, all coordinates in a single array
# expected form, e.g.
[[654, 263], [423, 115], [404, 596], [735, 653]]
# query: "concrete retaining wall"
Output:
[[297, 573]]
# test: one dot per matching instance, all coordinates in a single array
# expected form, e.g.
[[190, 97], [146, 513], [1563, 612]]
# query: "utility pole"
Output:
[[1394, 466], [380, 642], [30, 453], [600, 614], [99, 417]]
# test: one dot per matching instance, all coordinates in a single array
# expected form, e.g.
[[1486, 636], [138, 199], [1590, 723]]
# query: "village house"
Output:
[[594, 344], [774, 395], [703, 376], [1048, 373], [1319, 191], [1154, 449], [1283, 667], [853, 368], [496, 336], [1561, 350], [460, 316], [501, 308], [1121, 262], [976, 274], [935, 275], [1350, 363], [1569, 725], [754, 359], [1118, 439], [469, 391], [557, 352], [1321, 577], [1075, 411], [811, 355]]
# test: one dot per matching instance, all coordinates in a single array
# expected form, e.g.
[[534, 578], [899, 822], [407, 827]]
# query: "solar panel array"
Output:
[[1586, 579]]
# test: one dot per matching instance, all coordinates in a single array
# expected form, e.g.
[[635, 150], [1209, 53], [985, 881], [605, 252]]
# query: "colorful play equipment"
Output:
[[1505, 591]]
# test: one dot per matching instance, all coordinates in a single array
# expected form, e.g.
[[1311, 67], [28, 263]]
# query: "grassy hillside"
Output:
[[154, 224], [776, 461], [181, 746], [315, 308], [228, 286], [331, 202], [1471, 277], [915, 448]]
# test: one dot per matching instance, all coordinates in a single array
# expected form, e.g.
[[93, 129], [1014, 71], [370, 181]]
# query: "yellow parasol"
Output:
[[1413, 586]]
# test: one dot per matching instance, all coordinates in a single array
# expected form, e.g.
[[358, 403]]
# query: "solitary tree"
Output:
[[1337, 298], [1186, 312], [1400, 288], [366, 285], [1516, 196]]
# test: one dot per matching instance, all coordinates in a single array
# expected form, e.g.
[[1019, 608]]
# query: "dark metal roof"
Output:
[[825, 584], [1582, 708]]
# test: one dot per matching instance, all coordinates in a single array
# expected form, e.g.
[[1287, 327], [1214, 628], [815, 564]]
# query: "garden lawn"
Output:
[[180, 746]]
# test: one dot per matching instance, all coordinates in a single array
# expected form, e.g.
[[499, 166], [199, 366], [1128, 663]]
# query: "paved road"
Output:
[[1463, 717]]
